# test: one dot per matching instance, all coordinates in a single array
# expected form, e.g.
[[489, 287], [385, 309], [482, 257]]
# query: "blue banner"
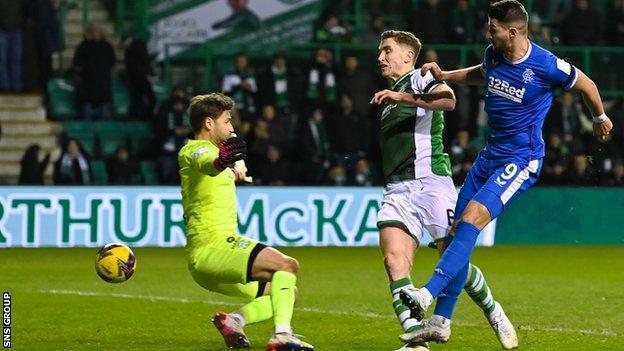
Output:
[[153, 216]]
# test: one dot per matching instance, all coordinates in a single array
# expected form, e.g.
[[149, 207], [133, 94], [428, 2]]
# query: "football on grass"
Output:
[[115, 263]]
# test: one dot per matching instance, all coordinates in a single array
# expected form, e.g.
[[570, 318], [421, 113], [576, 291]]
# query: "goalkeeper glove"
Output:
[[240, 172], [232, 150]]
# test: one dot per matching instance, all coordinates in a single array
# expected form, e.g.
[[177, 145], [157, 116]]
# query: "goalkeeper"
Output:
[[220, 260]]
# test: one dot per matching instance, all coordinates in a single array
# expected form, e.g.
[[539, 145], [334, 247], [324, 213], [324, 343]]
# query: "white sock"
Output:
[[283, 329], [440, 321], [427, 294], [239, 317]]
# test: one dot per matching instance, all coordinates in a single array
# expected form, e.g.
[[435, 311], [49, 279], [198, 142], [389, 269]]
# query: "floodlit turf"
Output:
[[560, 298]]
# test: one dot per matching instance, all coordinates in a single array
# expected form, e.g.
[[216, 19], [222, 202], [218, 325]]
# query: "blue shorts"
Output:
[[496, 183]]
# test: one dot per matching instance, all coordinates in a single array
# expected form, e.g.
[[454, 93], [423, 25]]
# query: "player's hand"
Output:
[[232, 150], [240, 171], [435, 70], [385, 95], [602, 129]]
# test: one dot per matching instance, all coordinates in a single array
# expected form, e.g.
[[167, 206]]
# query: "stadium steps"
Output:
[[23, 120]]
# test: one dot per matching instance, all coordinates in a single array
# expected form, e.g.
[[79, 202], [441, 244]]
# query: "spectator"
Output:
[[32, 169], [349, 127], [582, 26], [315, 150], [280, 86], [138, 69], [615, 23], [337, 175], [279, 126], [558, 9], [242, 18], [363, 174], [357, 85], [463, 19], [556, 160], [47, 37], [172, 122], [538, 33], [94, 61], [321, 88], [241, 86], [462, 156], [568, 118], [122, 169], [73, 167], [581, 173], [12, 15], [274, 170], [431, 23], [332, 30], [376, 27], [616, 176], [259, 145]]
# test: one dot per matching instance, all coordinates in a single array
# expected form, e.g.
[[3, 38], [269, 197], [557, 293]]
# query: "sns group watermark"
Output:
[[6, 320]]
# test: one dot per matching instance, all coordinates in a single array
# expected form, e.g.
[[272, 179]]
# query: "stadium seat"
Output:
[[83, 132], [161, 91], [121, 99], [111, 135], [62, 94], [100, 174], [148, 172], [141, 136]]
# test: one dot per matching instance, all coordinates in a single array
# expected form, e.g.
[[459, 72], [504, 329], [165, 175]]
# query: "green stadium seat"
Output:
[[161, 91], [83, 132], [148, 172], [121, 99], [78, 127], [62, 94], [111, 135], [141, 136], [100, 174]]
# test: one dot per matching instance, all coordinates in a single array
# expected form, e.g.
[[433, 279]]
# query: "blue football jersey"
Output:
[[519, 95]]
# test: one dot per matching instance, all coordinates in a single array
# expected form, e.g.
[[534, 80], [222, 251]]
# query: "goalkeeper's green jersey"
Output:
[[208, 195]]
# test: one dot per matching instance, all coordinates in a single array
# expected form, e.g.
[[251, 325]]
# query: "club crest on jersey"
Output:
[[527, 76]]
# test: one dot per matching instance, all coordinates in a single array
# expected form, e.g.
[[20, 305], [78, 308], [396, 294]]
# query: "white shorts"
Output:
[[414, 205]]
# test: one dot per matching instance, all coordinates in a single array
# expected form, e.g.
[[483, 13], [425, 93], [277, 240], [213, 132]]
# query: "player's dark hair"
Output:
[[404, 38], [507, 11], [207, 106]]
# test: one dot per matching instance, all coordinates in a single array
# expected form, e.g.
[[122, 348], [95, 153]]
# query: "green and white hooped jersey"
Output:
[[411, 137]]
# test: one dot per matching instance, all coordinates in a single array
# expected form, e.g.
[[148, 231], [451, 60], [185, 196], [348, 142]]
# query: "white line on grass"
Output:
[[604, 332]]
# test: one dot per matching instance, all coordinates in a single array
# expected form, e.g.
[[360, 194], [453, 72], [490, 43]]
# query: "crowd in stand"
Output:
[[312, 124]]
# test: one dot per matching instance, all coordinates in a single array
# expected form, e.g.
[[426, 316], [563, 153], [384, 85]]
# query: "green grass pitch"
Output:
[[559, 298]]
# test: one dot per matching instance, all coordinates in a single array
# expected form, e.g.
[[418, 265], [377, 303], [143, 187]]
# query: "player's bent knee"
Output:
[[476, 214], [289, 264]]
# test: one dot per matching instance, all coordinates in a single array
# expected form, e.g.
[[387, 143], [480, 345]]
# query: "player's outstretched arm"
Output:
[[472, 75], [591, 96], [440, 98]]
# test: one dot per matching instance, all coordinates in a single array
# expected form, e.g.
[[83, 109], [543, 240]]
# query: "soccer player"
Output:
[[520, 78], [220, 260], [419, 192]]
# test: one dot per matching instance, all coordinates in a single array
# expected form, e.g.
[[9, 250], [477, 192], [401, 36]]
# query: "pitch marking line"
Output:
[[604, 332]]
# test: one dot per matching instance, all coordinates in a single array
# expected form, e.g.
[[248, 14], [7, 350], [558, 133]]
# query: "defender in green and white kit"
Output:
[[220, 260], [419, 192]]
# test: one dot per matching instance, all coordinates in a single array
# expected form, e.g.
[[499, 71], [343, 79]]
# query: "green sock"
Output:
[[283, 300], [258, 310], [478, 290], [402, 312]]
